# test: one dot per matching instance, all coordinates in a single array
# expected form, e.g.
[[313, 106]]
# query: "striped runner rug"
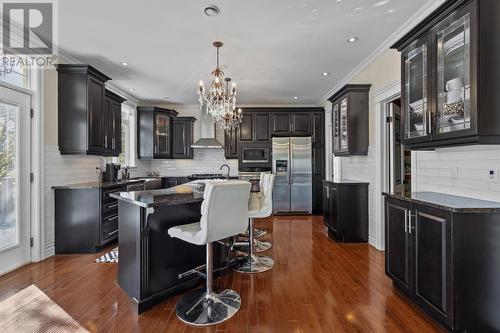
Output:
[[111, 256]]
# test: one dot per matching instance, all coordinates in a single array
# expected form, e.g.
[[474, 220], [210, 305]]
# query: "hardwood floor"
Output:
[[317, 285]]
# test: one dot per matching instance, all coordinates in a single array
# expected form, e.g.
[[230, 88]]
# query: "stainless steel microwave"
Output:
[[251, 155]]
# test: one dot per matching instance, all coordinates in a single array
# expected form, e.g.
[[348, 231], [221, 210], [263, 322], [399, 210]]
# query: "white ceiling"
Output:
[[273, 49]]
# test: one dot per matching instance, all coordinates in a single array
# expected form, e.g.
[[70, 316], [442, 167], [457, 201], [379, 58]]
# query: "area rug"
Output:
[[30, 310], [111, 256]]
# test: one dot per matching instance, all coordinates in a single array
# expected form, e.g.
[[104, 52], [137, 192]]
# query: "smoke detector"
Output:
[[211, 10]]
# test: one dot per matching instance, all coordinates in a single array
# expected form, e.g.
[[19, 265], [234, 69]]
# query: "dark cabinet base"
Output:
[[345, 210], [150, 260]]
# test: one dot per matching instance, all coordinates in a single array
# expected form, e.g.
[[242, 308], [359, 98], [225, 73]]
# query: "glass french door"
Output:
[[15, 136]]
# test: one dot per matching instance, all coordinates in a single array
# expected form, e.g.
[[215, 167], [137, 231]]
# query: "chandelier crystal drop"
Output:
[[220, 101]]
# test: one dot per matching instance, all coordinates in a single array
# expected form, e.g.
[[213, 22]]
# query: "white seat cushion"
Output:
[[191, 233]]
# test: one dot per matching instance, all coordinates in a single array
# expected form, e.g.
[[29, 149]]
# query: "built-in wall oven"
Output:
[[255, 156]]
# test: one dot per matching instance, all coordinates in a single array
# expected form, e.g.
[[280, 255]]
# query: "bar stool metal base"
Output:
[[262, 246], [259, 246], [257, 233], [254, 264], [201, 309]]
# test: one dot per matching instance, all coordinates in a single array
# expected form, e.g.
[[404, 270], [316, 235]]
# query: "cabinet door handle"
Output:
[[113, 218], [406, 221], [155, 149], [327, 193], [105, 141], [410, 216]]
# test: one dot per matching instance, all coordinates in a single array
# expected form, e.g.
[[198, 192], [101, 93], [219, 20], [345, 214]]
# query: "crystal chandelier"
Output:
[[232, 118], [220, 101]]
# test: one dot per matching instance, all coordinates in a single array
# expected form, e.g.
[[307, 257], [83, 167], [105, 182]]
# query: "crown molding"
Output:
[[415, 19]]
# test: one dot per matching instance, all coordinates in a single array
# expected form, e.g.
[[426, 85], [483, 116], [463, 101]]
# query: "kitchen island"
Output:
[[149, 259]]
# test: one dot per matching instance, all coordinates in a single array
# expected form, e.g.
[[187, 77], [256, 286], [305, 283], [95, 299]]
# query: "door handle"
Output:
[[410, 216], [406, 221]]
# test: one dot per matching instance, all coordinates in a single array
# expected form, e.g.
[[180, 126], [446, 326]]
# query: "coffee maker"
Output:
[[111, 174]]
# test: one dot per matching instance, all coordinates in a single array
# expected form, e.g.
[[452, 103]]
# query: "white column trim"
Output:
[[390, 92]]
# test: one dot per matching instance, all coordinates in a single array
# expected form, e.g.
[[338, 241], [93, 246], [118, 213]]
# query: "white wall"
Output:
[[462, 171]]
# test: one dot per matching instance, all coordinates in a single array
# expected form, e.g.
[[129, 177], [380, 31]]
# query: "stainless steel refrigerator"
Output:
[[292, 167]]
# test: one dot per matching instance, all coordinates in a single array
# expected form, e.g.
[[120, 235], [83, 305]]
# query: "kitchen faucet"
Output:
[[228, 169]]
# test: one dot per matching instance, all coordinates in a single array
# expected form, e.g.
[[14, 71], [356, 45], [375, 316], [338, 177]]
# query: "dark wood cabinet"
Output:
[[346, 210], [174, 181], [398, 249], [291, 123], [301, 123], [281, 124], [247, 127], [254, 127], [318, 159], [432, 247], [182, 130], [232, 143], [81, 101], [262, 133], [86, 218], [450, 78], [350, 106], [154, 132], [112, 123], [439, 256]]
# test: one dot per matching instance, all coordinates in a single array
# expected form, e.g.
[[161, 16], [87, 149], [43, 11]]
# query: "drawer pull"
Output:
[[112, 218], [112, 206], [112, 232]]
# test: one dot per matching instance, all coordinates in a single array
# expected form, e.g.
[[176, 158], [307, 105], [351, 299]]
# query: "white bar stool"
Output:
[[258, 208], [224, 214], [257, 233]]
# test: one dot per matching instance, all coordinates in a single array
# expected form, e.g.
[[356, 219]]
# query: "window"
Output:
[[127, 156], [14, 72]]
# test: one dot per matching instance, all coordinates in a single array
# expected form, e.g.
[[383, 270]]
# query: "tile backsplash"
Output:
[[463, 171], [204, 161]]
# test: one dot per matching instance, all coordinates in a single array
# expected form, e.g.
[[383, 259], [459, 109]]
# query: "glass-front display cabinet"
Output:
[[450, 80], [162, 128], [350, 107], [417, 114], [453, 112], [335, 122]]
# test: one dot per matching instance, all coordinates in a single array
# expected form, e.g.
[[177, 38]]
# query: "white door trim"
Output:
[[37, 164], [389, 93]]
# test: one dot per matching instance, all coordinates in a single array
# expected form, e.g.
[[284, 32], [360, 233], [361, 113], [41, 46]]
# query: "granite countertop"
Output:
[[177, 195], [96, 184], [452, 203], [345, 181]]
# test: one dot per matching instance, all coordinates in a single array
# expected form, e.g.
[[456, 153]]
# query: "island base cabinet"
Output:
[[150, 260], [446, 262]]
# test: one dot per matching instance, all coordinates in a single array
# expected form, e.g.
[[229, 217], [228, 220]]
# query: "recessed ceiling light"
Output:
[[353, 39], [295, 97], [390, 11], [132, 89], [211, 10], [325, 73], [124, 64], [381, 3]]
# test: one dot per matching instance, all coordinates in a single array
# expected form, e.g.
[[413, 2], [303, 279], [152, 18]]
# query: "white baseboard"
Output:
[[49, 250], [373, 242]]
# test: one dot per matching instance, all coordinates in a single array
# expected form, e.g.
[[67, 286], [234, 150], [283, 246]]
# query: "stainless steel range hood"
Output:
[[207, 133]]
